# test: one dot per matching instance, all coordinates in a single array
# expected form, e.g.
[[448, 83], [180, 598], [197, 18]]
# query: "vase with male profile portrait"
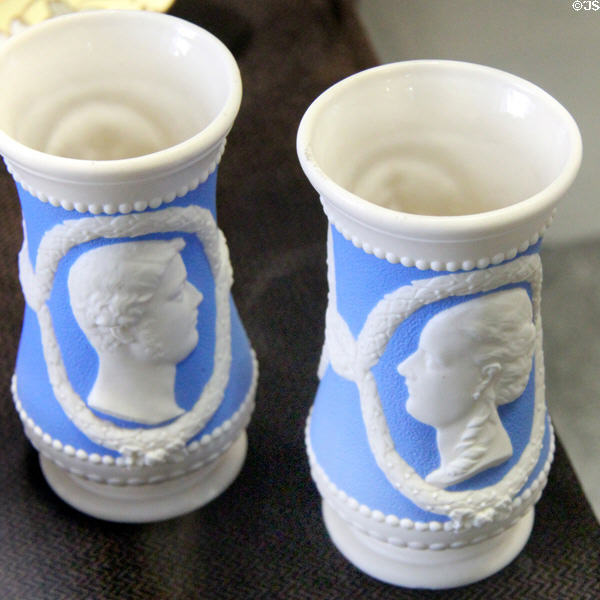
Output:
[[135, 379]]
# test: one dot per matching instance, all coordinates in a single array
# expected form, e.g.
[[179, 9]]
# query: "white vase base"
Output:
[[429, 569], [148, 502]]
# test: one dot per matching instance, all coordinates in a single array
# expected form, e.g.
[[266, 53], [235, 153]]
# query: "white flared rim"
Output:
[[435, 227], [170, 159]]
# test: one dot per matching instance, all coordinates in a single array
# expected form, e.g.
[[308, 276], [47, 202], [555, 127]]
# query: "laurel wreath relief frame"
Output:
[[139, 445], [353, 359]]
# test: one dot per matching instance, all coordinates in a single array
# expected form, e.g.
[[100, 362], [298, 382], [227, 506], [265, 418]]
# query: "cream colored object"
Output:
[[18, 14], [438, 179]]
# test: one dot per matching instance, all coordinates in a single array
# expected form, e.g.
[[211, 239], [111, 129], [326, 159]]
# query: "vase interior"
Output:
[[114, 86], [439, 138]]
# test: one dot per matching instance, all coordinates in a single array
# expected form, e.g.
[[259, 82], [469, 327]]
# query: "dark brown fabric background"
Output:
[[264, 537]]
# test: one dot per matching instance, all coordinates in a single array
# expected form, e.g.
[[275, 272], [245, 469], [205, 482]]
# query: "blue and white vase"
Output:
[[135, 379], [429, 438]]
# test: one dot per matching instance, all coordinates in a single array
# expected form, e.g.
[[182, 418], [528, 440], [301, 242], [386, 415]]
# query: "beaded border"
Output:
[[50, 446], [377, 518], [126, 207], [438, 265]]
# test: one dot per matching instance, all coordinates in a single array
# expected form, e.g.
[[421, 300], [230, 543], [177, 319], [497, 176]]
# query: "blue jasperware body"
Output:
[[337, 433], [34, 389]]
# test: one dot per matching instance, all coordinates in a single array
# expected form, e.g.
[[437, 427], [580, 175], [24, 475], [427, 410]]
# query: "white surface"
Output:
[[369, 143], [139, 312], [149, 502], [87, 106], [546, 42], [432, 569], [474, 374]]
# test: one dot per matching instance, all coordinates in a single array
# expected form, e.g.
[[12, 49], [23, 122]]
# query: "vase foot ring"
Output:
[[431, 569], [149, 502]]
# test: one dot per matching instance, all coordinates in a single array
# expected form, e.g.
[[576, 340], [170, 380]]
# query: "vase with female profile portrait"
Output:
[[429, 438], [135, 379]]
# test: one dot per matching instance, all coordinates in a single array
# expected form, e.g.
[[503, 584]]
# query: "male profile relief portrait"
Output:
[[139, 312]]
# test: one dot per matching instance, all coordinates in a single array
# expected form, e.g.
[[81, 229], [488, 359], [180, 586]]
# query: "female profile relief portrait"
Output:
[[139, 312], [471, 359]]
